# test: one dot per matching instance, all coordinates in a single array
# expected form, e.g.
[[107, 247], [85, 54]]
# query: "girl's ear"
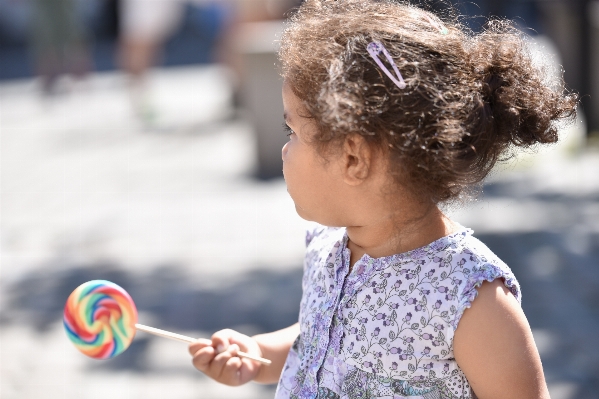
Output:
[[357, 159]]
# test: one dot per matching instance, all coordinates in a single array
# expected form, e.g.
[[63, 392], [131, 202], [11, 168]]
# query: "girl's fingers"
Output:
[[199, 344], [218, 358], [220, 340], [203, 358], [217, 366], [224, 368], [238, 370]]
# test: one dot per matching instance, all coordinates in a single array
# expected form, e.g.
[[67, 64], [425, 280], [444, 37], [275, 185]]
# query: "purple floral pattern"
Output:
[[385, 329]]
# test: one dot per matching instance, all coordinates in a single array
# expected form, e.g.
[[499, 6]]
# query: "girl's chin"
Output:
[[308, 216], [302, 213], [324, 220]]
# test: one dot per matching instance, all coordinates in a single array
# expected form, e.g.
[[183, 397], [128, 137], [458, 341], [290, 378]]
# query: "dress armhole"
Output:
[[490, 273]]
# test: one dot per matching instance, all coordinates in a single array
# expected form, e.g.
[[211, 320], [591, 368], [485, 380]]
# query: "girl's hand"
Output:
[[217, 358]]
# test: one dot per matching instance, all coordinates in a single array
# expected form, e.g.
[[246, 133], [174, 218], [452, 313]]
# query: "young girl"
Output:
[[391, 112]]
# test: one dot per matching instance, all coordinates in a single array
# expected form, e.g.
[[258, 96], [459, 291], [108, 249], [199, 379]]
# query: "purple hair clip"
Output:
[[374, 49]]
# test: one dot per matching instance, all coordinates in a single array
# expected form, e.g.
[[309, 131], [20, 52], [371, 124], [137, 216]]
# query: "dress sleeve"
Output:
[[486, 272]]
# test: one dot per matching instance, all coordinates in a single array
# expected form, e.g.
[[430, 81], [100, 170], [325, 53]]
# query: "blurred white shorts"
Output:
[[150, 20]]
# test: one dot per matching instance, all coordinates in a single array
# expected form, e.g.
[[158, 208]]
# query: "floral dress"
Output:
[[385, 329]]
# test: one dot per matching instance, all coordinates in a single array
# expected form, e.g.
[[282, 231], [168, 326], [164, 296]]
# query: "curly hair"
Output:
[[469, 97]]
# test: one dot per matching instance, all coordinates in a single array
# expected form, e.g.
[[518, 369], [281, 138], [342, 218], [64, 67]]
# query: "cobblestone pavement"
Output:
[[170, 211]]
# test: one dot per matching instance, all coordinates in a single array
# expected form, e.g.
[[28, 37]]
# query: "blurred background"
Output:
[[140, 143]]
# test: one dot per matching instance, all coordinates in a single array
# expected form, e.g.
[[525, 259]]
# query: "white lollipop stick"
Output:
[[183, 338]]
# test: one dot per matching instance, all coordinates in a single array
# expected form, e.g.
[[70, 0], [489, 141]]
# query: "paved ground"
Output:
[[172, 213]]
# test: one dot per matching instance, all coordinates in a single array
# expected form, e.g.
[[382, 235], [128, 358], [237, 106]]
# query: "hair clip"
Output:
[[374, 49], [442, 29]]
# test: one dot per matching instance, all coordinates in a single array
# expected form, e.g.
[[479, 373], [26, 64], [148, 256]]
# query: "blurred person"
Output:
[[390, 113], [145, 26], [58, 41], [246, 12]]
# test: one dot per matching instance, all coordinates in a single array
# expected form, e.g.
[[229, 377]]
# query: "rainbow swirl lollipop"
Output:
[[99, 318]]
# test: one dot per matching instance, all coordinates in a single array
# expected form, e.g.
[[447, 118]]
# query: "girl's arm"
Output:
[[217, 357], [275, 346], [494, 346]]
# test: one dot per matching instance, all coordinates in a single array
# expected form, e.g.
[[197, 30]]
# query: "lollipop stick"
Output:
[[164, 334], [183, 338]]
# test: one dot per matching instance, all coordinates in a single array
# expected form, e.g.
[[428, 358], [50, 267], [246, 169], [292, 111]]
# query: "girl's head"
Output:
[[468, 97]]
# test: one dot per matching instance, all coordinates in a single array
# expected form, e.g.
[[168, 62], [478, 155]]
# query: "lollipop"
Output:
[[100, 318]]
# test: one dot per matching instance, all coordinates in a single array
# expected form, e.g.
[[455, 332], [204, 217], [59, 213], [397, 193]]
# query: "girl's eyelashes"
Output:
[[287, 129]]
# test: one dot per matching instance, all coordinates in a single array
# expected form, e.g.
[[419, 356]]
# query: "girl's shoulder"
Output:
[[480, 264], [451, 269]]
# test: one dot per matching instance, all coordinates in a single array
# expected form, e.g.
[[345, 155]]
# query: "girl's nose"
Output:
[[284, 151]]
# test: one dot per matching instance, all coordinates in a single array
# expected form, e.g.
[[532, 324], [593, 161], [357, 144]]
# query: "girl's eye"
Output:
[[288, 129]]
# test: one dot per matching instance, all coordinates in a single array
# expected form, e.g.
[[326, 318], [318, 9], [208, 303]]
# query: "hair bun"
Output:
[[491, 83], [517, 106]]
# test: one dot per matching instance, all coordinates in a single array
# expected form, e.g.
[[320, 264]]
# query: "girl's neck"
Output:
[[393, 235]]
